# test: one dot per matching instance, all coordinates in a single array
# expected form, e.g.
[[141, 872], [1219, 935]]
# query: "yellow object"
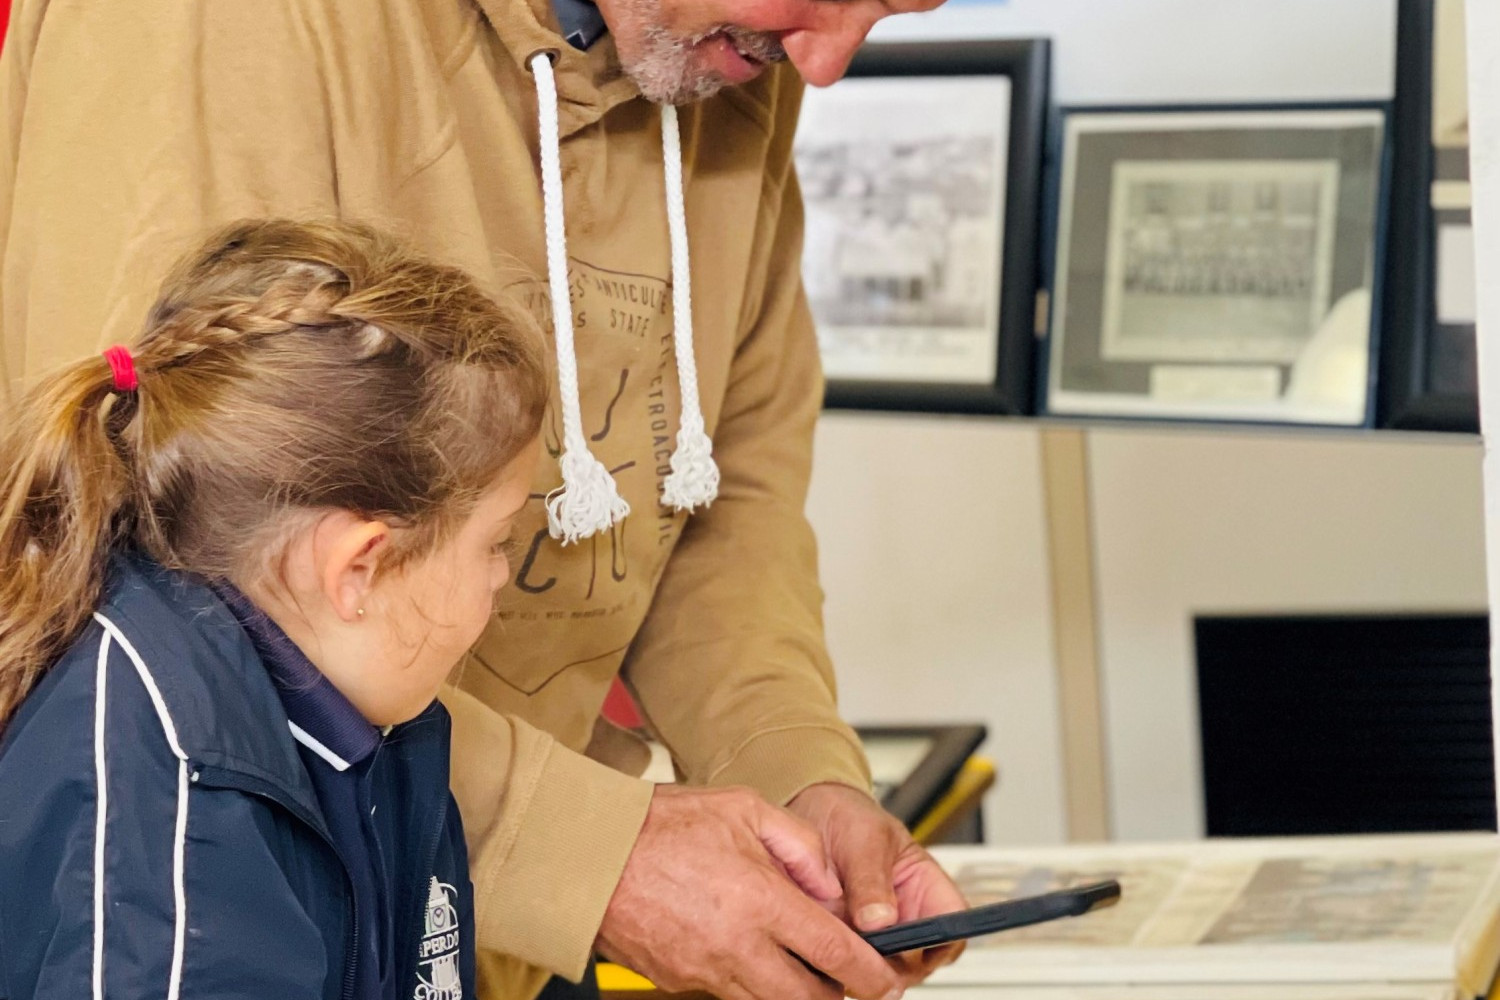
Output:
[[971, 782], [618, 979], [977, 775]]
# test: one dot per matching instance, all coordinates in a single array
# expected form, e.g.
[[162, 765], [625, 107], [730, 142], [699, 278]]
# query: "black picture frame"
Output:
[[1428, 369], [1280, 140], [1026, 64], [911, 795]]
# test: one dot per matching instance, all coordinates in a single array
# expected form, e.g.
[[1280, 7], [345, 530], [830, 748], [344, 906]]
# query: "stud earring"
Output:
[[360, 612]]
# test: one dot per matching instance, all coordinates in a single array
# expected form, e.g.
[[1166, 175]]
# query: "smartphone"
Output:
[[1001, 916]]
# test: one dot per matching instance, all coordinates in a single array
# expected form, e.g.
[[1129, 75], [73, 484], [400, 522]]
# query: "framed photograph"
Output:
[[1217, 263], [921, 179], [1428, 365], [913, 765]]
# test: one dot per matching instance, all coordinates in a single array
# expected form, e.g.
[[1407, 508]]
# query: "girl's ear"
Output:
[[351, 551]]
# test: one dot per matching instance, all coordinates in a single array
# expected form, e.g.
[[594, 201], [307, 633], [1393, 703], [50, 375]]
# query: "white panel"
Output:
[[1132, 51], [1192, 521], [933, 554]]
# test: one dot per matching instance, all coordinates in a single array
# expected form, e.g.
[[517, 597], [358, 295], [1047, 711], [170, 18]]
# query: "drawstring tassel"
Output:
[[588, 501], [694, 479]]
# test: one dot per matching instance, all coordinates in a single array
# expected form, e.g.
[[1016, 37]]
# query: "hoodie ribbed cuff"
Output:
[[782, 762], [544, 901]]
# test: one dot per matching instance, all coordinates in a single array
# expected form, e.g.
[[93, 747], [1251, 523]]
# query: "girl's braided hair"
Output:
[[286, 368]]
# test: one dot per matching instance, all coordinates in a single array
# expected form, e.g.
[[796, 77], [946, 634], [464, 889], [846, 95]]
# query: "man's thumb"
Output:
[[866, 859]]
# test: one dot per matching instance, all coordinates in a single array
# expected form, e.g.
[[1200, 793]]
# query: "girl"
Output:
[[237, 559]]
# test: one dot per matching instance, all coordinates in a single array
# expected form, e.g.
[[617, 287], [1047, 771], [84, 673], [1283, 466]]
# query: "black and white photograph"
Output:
[[920, 176], [1244, 250], [1217, 264], [904, 224]]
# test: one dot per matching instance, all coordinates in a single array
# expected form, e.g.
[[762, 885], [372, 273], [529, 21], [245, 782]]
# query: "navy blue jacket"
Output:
[[160, 835]]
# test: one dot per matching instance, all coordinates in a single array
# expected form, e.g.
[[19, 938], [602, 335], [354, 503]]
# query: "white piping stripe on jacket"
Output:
[[101, 811], [589, 501], [179, 893], [308, 740]]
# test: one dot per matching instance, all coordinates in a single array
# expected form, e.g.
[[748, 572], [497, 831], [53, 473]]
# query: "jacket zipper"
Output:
[[235, 781]]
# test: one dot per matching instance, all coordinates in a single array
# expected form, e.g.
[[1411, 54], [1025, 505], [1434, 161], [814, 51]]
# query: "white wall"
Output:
[[933, 552], [1139, 51]]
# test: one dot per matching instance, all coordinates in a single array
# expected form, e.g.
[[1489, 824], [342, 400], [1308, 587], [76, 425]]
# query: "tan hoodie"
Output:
[[133, 126]]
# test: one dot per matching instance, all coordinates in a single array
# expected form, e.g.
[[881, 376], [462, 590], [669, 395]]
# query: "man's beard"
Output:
[[667, 69]]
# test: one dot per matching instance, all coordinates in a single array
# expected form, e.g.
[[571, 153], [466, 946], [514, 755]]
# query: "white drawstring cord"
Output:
[[588, 501], [694, 480]]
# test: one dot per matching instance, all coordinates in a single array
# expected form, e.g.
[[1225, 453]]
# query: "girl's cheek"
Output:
[[499, 573]]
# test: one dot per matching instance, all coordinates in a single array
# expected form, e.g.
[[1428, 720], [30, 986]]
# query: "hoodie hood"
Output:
[[590, 83]]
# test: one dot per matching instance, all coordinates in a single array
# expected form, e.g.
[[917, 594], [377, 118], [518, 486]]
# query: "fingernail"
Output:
[[876, 913], [897, 993]]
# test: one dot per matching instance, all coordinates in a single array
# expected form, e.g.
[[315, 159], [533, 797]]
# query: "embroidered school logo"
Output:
[[437, 964]]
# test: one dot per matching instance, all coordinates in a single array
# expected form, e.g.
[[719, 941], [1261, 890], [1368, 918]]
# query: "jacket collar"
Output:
[[213, 682], [590, 83], [320, 717]]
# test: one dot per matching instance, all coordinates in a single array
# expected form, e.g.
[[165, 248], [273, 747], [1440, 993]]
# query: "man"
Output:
[[134, 125]]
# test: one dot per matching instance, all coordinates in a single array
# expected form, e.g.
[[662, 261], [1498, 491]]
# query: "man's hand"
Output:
[[722, 893], [888, 878]]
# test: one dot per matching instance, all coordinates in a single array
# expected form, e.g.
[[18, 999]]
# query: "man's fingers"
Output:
[[789, 976], [925, 890], [935, 958], [829, 947], [915, 966], [799, 850], [768, 972]]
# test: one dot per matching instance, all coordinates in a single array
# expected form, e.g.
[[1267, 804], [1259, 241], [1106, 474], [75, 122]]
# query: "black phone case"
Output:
[[1001, 916]]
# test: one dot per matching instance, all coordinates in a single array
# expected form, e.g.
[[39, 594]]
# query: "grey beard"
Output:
[[665, 72]]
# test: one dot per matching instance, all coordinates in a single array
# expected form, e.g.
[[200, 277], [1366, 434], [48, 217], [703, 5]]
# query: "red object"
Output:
[[619, 707], [4, 17], [122, 365]]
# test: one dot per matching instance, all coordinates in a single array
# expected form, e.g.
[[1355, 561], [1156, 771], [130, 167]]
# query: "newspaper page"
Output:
[[1421, 908]]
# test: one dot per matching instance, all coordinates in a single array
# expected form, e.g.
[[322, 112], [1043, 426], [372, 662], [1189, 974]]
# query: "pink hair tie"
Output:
[[122, 366]]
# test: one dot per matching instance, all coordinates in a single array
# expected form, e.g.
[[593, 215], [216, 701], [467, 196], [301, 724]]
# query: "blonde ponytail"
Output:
[[65, 500]]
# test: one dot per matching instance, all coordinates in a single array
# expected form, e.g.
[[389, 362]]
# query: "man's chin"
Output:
[[681, 89]]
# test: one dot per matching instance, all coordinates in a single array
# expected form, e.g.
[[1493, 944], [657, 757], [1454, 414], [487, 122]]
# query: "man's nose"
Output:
[[821, 51], [822, 54]]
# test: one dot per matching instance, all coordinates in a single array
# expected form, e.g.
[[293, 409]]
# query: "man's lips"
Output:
[[730, 59]]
